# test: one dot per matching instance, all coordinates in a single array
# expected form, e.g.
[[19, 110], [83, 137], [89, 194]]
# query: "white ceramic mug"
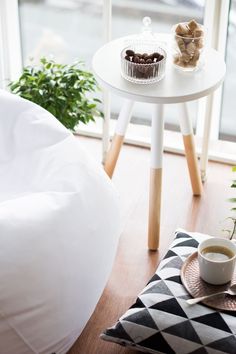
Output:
[[212, 271]]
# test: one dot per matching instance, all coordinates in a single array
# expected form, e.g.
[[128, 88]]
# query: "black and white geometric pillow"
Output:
[[160, 321]]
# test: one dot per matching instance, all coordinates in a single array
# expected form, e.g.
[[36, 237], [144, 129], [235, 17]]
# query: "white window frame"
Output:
[[216, 21], [10, 44], [209, 109], [107, 34]]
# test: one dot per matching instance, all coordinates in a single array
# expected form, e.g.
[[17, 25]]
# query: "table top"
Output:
[[177, 86]]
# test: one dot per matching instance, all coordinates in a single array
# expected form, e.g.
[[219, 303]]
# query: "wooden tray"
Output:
[[197, 287]]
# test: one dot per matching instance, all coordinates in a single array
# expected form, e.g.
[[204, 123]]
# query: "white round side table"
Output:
[[176, 87]]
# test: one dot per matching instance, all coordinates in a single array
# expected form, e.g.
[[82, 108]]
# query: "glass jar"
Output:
[[143, 64], [142, 59], [188, 46]]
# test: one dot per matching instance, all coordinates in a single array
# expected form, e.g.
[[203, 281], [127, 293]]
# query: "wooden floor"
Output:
[[134, 264]]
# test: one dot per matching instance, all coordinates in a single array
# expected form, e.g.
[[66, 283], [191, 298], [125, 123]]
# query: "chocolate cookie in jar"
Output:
[[188, 45]]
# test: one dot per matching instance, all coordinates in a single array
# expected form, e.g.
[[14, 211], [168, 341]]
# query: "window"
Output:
[[71, 29], [228, 115]]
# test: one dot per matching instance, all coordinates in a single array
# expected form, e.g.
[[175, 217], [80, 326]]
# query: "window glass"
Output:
[[65, 29], [228, 123], [71, 29]]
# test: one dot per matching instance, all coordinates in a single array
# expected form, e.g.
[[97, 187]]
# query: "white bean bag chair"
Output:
[[59, 227]]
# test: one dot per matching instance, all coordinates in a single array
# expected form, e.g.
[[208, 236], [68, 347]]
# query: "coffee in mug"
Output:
[[217, 253], [216, 257]]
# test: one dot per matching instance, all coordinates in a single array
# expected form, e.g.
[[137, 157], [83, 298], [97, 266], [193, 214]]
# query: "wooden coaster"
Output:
[[196, 287]]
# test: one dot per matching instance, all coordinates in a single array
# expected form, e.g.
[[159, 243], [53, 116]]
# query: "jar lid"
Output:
[[146, 29], [146, 36]]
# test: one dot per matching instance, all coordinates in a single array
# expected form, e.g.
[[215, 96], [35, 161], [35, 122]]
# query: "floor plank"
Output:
[[134, 264]]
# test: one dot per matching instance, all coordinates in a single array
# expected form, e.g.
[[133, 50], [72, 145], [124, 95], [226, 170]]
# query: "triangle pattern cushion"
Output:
[[179, 328]]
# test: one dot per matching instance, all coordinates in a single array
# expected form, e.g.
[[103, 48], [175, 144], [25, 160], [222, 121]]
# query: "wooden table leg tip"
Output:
[[152, 249], [110, 174], [153, 246], [197, 194]]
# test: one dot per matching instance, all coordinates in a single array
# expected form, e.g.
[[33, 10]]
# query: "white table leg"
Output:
[[157, 133], [206, 137], [189, 145], [117, 141]]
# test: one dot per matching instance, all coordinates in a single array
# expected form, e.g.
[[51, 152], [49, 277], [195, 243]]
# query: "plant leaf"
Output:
[[61, 89]]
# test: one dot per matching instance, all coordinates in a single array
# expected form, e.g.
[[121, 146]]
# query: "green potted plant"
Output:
[[232, 231], [63, 90]]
